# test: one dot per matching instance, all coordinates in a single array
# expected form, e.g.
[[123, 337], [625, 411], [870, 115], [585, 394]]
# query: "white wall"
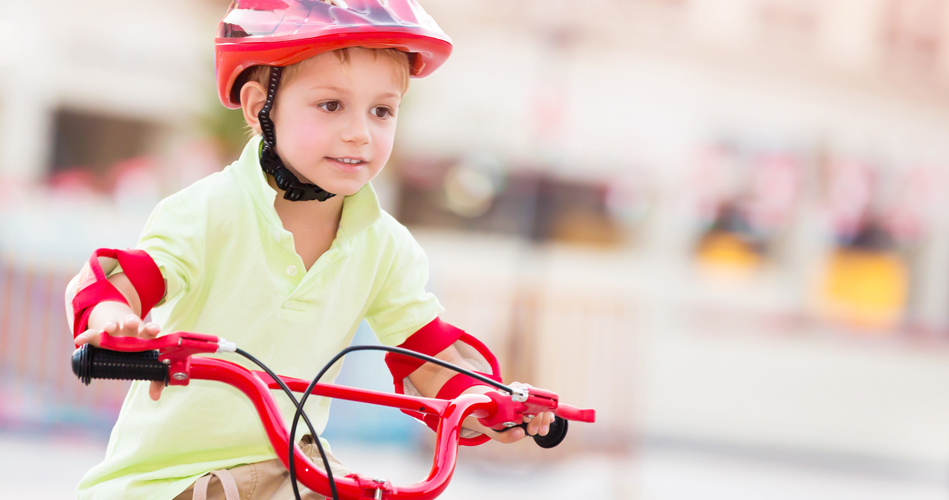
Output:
[[145, 60]]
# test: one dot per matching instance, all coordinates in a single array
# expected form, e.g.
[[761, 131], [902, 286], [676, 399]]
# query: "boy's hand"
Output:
[[539, 424], [129, 326]]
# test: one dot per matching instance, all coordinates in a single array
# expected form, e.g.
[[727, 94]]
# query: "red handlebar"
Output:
[[492, 409]]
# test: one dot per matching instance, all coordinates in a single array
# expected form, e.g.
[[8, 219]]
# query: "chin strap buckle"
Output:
[[293, 189]]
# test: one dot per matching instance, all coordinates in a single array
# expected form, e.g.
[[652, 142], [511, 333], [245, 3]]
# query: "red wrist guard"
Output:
[[94, 287], [432, 339]]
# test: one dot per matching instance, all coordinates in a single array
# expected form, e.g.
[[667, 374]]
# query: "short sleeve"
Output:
[[403, 306], [175, 241]]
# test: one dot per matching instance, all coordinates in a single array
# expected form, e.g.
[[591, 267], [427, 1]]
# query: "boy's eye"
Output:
[[330, 106], [381, 111]]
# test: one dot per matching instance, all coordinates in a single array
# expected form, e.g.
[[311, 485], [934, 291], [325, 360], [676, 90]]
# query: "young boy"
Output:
[[285, 252]]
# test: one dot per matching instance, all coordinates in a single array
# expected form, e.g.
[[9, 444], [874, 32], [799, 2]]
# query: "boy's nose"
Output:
[[356, 130]]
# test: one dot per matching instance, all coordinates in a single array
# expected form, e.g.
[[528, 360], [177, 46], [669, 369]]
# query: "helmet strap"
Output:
[[270, 162]]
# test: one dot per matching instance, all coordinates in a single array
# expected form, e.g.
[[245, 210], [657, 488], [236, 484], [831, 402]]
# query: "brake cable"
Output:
[[339, 355]]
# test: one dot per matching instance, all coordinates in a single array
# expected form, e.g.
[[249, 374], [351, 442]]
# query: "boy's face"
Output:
[[334, 111]]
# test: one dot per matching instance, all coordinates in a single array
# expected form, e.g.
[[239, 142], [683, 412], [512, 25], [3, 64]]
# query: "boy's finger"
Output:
[[154, 390], [533, 426], [510, 436], [548, 419], [132, 322], [87, 337], [537, 424], [149, 330]]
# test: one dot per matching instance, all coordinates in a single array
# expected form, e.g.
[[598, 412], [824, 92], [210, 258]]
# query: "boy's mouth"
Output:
[[349, 161]]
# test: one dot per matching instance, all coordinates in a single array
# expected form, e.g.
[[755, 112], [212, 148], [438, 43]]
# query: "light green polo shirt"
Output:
[[232, 271]]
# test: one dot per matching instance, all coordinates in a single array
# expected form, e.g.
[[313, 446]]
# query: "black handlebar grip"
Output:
[[555, 434], [89, 362]]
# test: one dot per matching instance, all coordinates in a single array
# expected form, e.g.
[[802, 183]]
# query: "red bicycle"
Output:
[[169, 359]]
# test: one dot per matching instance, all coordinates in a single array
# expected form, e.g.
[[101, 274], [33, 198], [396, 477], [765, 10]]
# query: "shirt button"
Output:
[[292, 271], [276, 235]]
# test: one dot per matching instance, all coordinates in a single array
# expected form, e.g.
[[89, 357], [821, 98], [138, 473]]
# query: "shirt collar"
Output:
[[360, 210]]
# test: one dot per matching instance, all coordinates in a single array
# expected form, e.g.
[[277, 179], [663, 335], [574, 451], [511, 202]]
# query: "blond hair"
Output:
[[261, 74]]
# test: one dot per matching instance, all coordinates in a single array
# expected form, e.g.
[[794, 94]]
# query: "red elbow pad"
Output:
[[94, 287], [432, 339]]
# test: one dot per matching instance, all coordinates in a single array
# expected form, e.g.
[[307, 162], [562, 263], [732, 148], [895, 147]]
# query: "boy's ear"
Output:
[[253, 97]]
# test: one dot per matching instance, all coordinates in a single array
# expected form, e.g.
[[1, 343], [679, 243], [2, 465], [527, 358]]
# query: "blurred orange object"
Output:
[[865, 288], [728, 251]]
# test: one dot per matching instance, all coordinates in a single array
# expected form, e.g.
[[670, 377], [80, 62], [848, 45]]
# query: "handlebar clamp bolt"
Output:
[[510, 424], [179, 375]]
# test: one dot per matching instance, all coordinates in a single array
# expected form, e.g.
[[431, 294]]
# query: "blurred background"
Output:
[[724, 224]]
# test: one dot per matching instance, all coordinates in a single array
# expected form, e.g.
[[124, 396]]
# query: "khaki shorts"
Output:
[[265, 480]]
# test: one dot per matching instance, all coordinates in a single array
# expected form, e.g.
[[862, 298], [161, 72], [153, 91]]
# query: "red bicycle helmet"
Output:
[[285, 32]]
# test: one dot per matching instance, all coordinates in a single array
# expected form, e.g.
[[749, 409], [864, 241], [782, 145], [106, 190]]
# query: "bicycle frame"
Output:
[[175, 350]]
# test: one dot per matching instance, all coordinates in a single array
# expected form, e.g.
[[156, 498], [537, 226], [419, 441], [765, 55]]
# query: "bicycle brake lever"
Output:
[[174, 350], [166, 343], [533, 401], [522, 400]]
